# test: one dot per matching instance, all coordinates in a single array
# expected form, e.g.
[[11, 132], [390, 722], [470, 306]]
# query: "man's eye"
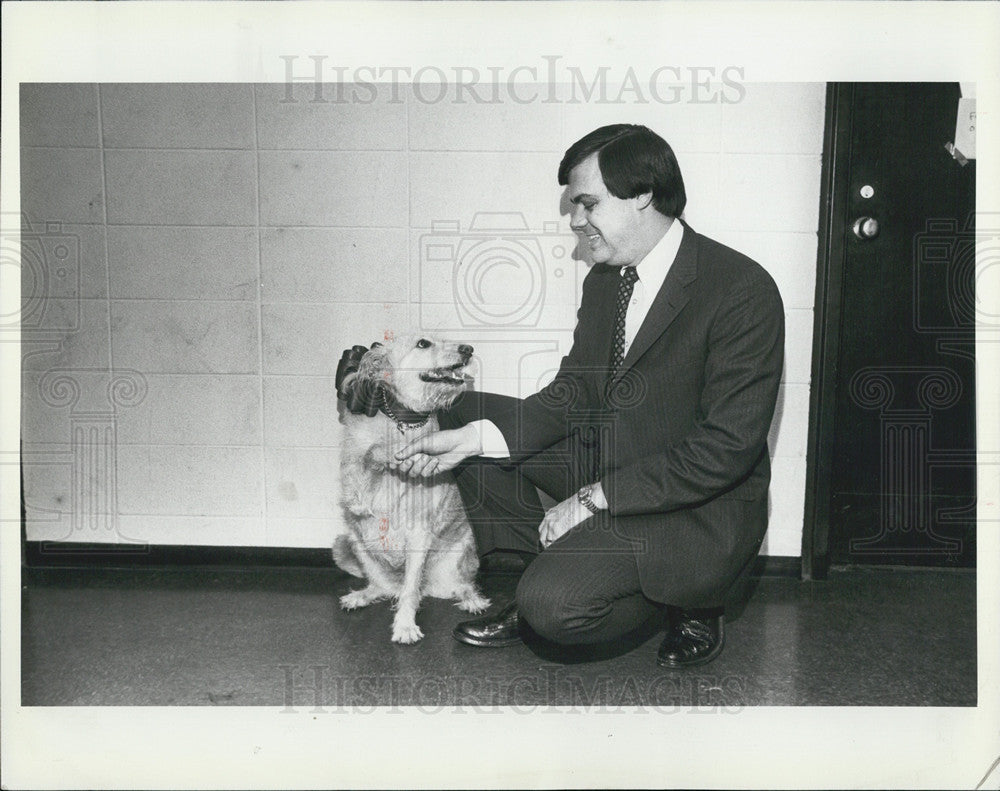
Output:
[[423, 343]]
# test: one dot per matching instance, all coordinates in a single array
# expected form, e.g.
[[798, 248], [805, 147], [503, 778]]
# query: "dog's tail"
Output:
[[344, 557]]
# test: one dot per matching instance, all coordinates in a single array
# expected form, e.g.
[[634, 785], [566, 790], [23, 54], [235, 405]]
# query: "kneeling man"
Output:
[[652, 437]]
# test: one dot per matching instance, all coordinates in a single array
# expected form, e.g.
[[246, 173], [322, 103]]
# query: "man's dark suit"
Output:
[[683, 456]]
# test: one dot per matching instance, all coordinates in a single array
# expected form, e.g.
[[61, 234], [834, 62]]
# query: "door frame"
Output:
[[831, 251]]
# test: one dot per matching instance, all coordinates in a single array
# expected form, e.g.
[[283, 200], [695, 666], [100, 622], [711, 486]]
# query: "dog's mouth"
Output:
[[450, 374]]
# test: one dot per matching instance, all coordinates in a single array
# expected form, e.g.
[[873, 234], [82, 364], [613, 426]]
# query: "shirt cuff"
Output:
[[491, 440]]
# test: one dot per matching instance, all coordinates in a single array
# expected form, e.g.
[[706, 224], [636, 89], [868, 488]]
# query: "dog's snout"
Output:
[[465, 350]]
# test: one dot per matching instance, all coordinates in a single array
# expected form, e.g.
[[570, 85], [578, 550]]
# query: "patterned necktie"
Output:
[[625, 288]]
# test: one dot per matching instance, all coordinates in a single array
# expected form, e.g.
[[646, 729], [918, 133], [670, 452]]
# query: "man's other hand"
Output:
[[560, 519], [564, 516]]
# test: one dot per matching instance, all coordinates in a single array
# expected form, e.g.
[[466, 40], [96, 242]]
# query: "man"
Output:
[[652, 436]]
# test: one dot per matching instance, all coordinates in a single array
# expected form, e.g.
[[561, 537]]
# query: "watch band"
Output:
[[584, 496]]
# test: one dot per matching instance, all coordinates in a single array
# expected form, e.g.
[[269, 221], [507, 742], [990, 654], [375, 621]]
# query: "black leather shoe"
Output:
[[493, 631], [692, 641]]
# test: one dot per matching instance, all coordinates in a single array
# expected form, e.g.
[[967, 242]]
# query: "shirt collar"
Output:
[[653, 268]]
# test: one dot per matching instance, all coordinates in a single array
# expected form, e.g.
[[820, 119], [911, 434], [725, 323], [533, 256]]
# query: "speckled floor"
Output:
[[276, 637]]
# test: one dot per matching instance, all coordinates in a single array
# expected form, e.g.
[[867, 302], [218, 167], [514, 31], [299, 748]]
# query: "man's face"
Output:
[[609, 224]]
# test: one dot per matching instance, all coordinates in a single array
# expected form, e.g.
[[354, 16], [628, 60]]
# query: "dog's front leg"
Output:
[[362, 598], [404, 625], [380, 582]]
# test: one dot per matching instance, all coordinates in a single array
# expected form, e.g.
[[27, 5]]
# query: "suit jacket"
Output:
[[683, 450]]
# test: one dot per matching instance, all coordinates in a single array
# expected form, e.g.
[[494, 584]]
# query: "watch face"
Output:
[[584, 497]]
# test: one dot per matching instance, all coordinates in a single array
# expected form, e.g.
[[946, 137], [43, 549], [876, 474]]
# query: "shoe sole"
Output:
[[694, 662], [507, 641]]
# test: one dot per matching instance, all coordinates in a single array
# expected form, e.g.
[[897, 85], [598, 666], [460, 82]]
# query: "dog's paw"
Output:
[[376, 458], [356, 599], [406, 633], [474, 603]]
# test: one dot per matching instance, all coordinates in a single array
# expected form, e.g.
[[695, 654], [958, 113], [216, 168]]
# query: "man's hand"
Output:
[[437, 452], [564, 516]]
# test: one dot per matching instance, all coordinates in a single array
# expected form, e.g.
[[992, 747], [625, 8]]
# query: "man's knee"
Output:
[[548, 611]]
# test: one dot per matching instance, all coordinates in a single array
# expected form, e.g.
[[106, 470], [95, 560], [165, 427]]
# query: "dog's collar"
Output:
[[404, 419]]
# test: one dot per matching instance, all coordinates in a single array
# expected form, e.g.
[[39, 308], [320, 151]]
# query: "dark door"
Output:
[[893, 475]]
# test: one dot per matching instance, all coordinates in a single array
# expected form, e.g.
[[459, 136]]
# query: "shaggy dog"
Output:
[[409, 537]]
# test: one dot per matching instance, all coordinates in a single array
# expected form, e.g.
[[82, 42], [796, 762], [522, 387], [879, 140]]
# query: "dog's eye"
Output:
[[423, 343]]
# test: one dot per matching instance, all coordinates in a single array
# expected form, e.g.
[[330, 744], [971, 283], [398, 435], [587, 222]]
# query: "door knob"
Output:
[[866, 228]]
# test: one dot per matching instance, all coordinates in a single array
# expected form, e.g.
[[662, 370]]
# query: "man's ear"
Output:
[[643, 201]]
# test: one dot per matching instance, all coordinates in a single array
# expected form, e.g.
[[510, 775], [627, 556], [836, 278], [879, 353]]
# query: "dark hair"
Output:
[[634, 160]]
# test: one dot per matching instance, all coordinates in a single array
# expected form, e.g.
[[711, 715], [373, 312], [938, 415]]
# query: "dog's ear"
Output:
[[349, 362], [361, 389]]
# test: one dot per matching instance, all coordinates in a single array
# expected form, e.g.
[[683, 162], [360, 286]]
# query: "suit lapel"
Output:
[[603, 326], [670, 300]]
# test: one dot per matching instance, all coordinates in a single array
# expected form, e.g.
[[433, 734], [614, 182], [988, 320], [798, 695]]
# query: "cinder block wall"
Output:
[[197, 256]]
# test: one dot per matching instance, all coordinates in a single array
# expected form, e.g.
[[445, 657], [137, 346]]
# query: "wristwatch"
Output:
[[584, 496]]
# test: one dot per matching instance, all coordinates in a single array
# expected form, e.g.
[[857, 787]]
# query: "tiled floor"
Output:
[[275, 637]]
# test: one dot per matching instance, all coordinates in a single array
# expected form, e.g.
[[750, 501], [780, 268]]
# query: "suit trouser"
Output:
[[584, 588]]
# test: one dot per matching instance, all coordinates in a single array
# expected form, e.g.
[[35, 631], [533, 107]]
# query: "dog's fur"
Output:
[[409, 537]]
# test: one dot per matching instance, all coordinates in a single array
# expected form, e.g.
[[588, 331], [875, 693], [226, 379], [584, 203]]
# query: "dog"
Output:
[[408, 537]]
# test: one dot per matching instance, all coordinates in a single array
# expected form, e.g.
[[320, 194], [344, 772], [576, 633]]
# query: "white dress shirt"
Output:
[[652, 271]]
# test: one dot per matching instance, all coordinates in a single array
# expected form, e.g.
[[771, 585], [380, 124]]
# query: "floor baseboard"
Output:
[[60, 554]]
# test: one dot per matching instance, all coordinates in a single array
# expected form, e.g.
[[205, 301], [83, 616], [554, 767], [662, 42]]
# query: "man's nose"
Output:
[[466, 351], [577, 219], [578, 222]]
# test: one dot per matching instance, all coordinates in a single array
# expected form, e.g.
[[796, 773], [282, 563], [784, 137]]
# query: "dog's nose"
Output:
[[465, 350]]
